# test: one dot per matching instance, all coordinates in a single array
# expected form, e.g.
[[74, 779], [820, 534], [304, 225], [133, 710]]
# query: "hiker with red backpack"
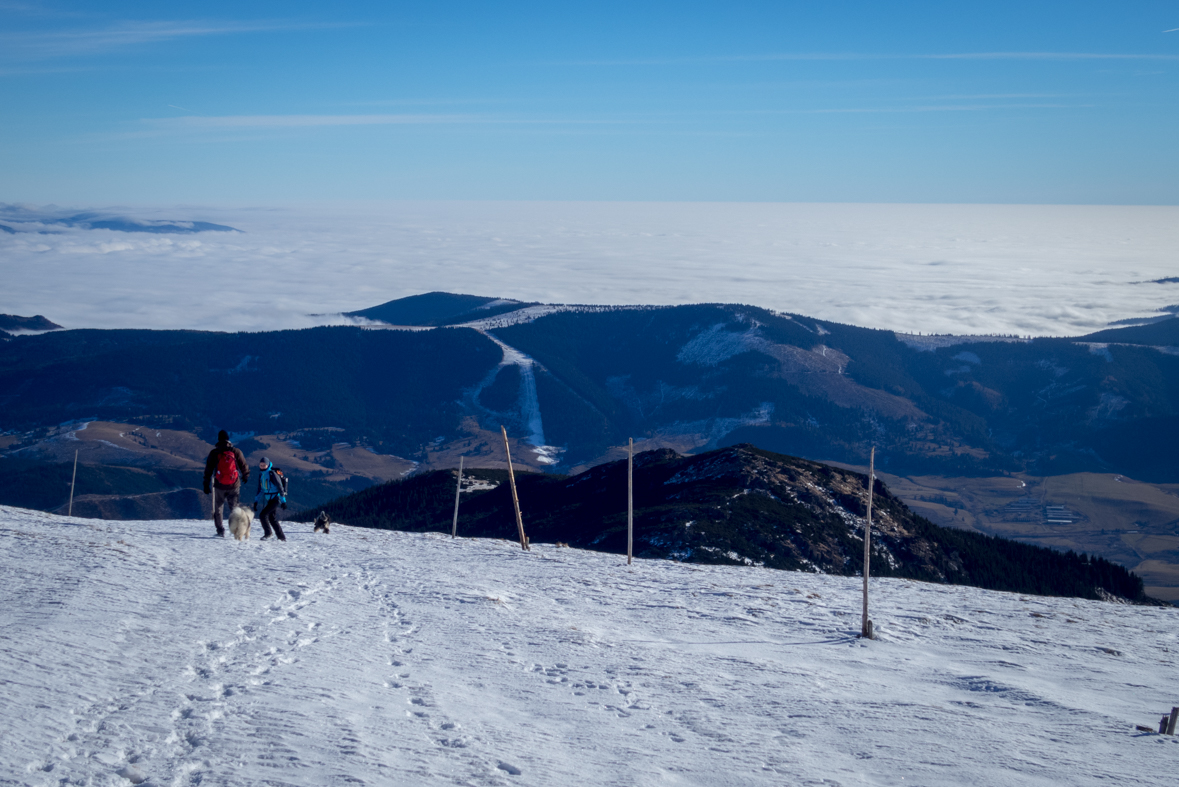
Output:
[[226, 468], [272, 491]]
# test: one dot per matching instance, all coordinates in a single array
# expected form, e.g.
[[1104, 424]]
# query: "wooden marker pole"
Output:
[[630, 501], [515, 499], [865, 624], [457, 491], [1174, 717], [73, 481]]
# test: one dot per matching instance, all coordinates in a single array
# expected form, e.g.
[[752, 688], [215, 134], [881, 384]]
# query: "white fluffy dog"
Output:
[[239, 523]]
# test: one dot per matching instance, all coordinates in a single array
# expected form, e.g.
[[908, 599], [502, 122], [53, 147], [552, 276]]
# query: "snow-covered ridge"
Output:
[[149, 652], [532, 313]]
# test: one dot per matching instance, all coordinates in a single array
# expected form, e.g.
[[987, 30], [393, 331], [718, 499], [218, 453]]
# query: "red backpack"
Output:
[[226, 474]]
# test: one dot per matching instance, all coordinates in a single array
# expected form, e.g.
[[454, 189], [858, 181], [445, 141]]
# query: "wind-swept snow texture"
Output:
[[151, 653]]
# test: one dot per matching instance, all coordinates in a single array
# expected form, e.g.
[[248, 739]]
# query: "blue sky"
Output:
[[260, 103]]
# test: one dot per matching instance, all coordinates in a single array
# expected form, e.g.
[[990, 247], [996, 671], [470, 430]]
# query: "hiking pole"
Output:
[[72, 482], [458, 488]]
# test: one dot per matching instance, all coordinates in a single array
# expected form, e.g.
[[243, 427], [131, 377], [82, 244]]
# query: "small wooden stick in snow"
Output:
[[515, 499], [457, 490], [630, 500], [72, 482], [865, 624]]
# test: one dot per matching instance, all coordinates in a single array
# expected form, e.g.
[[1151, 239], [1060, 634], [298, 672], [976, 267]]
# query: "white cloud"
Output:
[[1043, 270]]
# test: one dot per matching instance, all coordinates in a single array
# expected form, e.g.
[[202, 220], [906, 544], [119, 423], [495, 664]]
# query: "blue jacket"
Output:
[[269, 487]]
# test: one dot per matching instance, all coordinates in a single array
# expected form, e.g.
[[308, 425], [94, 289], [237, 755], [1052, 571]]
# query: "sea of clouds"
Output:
[[1011, 269]]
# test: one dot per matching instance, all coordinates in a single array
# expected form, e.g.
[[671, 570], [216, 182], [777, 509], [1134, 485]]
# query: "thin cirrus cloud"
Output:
[[198, 122], [837, 56], [201, 124], [50, 45], [936, 108]]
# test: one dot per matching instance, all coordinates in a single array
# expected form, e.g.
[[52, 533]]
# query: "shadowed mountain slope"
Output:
[[390, 389], [825, 390]]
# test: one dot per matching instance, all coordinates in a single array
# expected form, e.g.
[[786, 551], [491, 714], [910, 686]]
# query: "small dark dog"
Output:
[[322, 521]]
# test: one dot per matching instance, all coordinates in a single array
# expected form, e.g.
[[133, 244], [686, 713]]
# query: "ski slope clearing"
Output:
[[152, 653]]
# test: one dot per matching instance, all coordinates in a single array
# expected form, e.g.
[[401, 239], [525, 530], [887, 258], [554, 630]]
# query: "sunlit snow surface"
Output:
[[1043, 270], [151, 652]]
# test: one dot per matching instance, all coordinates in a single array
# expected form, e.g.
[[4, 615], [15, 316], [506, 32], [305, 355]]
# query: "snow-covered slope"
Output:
[[149, 652]]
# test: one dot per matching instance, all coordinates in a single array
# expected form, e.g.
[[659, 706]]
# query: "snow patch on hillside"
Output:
[[718, 344], [529, 402]]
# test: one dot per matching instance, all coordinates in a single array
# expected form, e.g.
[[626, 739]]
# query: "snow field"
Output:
[[151, 653]]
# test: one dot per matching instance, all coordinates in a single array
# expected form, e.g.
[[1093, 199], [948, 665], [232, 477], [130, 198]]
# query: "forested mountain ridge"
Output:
[[582, 380], [740, 506]]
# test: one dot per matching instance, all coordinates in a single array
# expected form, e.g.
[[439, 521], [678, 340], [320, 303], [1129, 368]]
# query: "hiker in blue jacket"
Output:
[[272, 492]]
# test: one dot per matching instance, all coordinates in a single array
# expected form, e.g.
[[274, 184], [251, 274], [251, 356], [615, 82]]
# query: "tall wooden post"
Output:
[[73, 481], [515, 499], [630, 501], [865, 624], [457, 491]]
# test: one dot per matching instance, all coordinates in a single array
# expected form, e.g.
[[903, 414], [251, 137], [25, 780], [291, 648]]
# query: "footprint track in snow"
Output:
[[421, 705], [123, 737]]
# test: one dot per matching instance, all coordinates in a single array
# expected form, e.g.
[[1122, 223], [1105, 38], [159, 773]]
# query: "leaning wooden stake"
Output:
[[630, 501], [865, 624], [457, 490], [515, 499], [72, 482], [1174, 717]]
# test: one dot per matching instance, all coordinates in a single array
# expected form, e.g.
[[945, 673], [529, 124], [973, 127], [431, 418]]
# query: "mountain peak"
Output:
[[14, 322], [438, 309]]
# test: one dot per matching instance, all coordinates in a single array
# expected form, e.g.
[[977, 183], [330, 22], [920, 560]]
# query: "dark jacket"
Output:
[[243, 470]]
